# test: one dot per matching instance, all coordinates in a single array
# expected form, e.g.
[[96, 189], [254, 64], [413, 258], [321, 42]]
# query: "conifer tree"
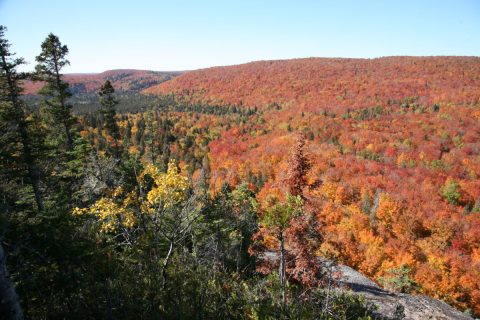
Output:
[[69, 149], [15, 147], [51, 61], [14, 118], [108, 103]]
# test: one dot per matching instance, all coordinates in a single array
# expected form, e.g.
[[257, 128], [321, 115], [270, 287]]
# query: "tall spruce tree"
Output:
[[15, 159], [13, 114], [51, 61], [108, 103]]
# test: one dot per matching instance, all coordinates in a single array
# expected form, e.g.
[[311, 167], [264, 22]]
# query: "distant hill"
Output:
[[332, 83], [122, 80]]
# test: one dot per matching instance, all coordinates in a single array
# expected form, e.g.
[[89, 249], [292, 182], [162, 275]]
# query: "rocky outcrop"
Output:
[[393, 305]]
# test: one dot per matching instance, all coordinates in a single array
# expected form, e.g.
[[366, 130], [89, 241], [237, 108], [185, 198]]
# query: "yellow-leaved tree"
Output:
[[159, 211]]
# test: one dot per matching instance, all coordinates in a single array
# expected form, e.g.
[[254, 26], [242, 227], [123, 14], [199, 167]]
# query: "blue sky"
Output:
[[183, 35]]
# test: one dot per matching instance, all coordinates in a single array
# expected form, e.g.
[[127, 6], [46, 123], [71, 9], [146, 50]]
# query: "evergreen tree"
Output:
[[14, 118], [69, 150], [51, 61], [108, 103], [13, 131]]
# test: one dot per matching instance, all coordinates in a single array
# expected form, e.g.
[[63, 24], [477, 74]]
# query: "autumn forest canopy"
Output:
[[233, 192]]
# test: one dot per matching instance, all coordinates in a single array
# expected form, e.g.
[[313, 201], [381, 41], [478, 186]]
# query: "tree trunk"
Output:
[[69, 136], [165, 264], [33, 172], [63, 104], [239, 255], [9, 302], [282, 266]]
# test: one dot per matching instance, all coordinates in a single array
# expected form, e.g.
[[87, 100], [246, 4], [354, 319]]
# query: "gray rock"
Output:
[[391, 304]]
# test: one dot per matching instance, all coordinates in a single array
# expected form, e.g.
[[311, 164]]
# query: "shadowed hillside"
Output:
[[122, 80]]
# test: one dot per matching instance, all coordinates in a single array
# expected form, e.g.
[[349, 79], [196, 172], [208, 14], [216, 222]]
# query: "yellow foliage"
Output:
[[169, 189], [328, 250], [122, 124], [270, 241], [133, 150], [437, 263], [402, 159], [476, 255], [329, 190], [388, 209], [109, 214]]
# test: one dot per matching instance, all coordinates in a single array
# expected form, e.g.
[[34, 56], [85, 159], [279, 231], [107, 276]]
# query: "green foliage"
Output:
[[50, 62], [451, 192], [108, 112], [279, 214], [369, 155], [108, 103], [398, 279], [457, 141]]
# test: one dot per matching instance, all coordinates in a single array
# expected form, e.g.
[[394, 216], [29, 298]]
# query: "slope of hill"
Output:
[[122, 80], [318, 83], [394, 145]]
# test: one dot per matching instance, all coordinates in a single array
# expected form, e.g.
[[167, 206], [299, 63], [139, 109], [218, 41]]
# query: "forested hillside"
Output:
[[232, 192], [394, 145], [316, 84], [123, 80]]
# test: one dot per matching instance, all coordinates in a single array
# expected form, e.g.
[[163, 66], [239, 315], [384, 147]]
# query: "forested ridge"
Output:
[[334, 84], [223, 198], [394, 149]]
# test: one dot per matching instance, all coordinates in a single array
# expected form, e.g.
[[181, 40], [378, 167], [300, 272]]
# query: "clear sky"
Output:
[[187, 34]]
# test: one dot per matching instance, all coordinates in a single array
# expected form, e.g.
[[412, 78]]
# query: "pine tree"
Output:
[[14, 117], [51, 61], [67, 147], [108, 103]]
